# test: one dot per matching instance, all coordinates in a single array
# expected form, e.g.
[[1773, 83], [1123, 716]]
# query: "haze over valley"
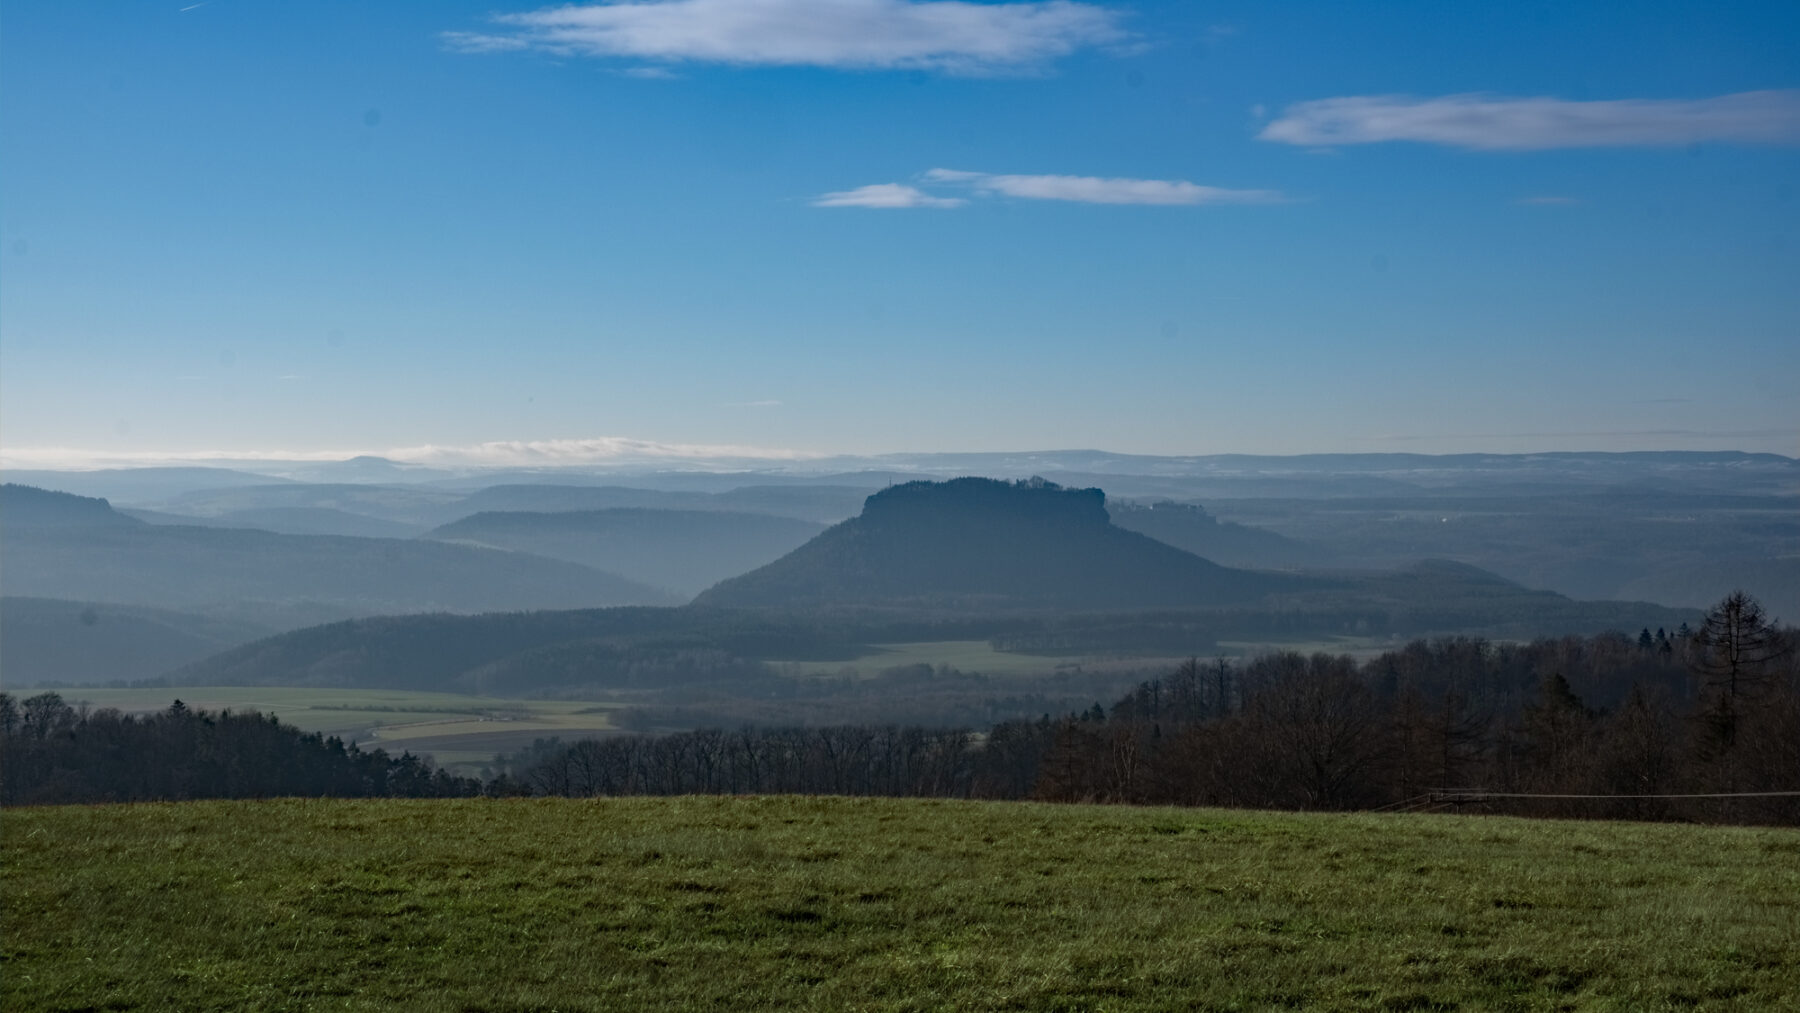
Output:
[[180, 574]]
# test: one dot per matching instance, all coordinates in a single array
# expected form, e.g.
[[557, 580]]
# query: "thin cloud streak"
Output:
[[1101, 190], [1482, 122], [1075, 189], [945, 35], [1684, 434], [595, 450], [885, 195]]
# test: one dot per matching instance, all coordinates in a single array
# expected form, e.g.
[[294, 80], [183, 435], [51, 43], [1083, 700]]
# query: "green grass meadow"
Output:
[[831, 903]]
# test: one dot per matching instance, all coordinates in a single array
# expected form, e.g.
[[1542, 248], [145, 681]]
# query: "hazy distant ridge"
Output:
[[58, 545]]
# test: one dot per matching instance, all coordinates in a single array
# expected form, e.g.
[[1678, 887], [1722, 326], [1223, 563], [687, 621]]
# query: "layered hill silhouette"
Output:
[[976, 543], [57, 545], [685, 551]]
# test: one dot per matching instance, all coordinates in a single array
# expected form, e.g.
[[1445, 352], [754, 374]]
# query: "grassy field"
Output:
[[973, 656], [456, 730], [778, 903], [979, 656], [1360, 648]]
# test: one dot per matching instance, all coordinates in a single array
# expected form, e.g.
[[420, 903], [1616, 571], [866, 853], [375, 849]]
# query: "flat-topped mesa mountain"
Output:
[[976, 543]]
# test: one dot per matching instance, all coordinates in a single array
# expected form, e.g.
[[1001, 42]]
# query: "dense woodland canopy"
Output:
[[51, 752], [1711, 711]]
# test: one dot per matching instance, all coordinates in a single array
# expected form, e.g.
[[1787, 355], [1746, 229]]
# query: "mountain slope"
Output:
[[686, 551], [980, 543]]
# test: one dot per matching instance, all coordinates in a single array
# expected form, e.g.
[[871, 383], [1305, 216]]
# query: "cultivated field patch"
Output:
[[970, 656], [455, 729]]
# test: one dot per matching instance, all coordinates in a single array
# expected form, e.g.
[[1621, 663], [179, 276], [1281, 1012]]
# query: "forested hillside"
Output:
[[51, 752]]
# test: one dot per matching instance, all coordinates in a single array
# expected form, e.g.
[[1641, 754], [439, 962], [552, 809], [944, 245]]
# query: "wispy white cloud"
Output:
[[595, 451], [885, 195], [1591, 434], [482, 42], [651, 73], [1100, 190], [1492, 123], [950, 35]]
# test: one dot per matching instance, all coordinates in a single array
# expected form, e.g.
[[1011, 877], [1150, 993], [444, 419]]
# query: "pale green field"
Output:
[[978, 656], [455, 729], [1360, 648], [962, 655]]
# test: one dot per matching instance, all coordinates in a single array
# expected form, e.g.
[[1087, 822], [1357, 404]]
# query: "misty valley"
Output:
[[495, 604]]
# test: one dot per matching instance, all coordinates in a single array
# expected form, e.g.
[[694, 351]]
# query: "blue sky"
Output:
[[253, 228]]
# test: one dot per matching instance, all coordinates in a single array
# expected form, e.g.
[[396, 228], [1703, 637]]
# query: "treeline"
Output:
[[1321, 732], [51, 753], [1709, 712], [838, 760]]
